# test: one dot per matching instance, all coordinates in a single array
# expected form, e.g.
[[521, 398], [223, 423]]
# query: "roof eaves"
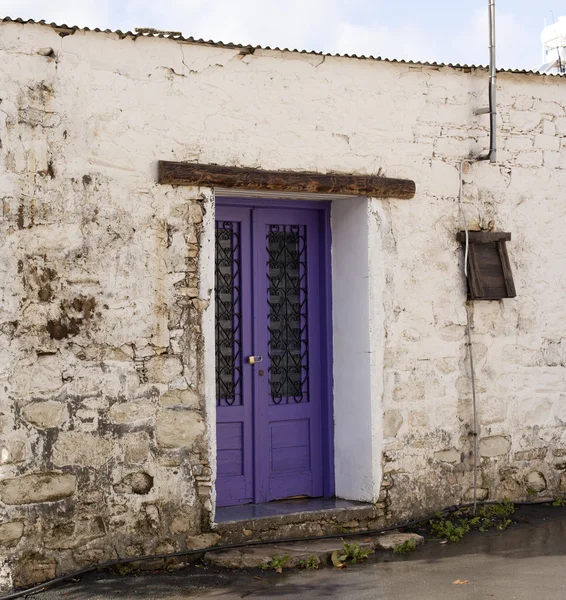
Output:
[[124, 34]]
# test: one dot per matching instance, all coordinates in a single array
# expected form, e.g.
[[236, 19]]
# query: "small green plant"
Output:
[[310, 563], [503, 524], [449, 531], [489, 516], [496, 515], [559, 502], [350, 554], [276, 564], [500, 509], [405, 547]]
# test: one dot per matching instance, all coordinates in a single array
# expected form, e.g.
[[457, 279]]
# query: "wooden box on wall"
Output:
[[489, 270]]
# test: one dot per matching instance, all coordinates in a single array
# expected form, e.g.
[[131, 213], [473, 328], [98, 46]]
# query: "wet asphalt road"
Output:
[[526, 562]]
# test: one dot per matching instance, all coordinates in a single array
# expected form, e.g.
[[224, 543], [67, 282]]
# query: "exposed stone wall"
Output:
[[105, 407], [103, 444]]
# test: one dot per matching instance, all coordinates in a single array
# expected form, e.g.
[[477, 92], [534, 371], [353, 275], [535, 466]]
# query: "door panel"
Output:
[[288, 400], [234, 409], [270, 414]]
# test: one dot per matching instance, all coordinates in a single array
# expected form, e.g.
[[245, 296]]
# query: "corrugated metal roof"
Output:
[[178, 37]]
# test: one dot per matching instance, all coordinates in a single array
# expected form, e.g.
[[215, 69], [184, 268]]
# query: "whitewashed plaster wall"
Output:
[[355, 453], [101, 325]]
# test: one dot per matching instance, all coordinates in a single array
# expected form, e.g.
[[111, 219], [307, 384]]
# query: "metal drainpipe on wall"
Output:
[[492, 157]]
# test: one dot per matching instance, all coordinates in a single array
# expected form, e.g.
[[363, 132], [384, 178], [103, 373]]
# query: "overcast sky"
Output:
[[441, 30]]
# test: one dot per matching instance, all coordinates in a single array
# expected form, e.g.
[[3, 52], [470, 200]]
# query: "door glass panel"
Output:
[[228, 314], [287, 311]]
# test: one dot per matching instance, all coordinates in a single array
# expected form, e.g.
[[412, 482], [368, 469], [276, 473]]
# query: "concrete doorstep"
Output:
[[298, 552]]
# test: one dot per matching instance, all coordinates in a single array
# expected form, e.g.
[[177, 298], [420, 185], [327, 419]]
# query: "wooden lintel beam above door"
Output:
[[179, 173]]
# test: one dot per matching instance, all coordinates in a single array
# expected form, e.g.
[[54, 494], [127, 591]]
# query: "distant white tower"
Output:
[[553, 40]]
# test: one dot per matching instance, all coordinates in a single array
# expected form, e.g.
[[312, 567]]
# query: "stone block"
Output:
[[553, 354], [409, 392], [144, 352], [390, 541], [44, 415], [418, 419], [464, 387], [531, 454], [481, 494], [184, 521], [177, 429], [150, 518], [523, 102], [13, 452], [164, 369], [136, 447], [11, 533], [298, 552], [43, 377], [188, 398], [34, 569], [5, 422], [537, 411], [562, 483], [65, 535], [530, 158], [83, 449], [518, 143], [451, 147], [200, 303], [176, 252], [494, 446], [130, 413], [524, 120], [549, 128], [178, 384], [547, 142], [205, 540], [535, 481], [189, 292], [449, 456], [552, 160], [392, 421], [560, 124], [522, 355], [245, 558], [37, 487], [195, 213]]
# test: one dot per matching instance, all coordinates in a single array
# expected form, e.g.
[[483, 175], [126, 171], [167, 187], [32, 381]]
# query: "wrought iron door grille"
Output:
[[228, 314], [287, 309]]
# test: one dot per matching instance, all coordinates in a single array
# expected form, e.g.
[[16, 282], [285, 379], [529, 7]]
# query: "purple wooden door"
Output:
[[270, 354]]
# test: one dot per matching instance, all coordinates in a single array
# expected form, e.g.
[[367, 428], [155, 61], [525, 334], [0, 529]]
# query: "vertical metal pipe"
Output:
[[474, 405], [492, 85]]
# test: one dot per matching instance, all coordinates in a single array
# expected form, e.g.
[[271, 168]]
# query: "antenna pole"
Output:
[[492, 85]]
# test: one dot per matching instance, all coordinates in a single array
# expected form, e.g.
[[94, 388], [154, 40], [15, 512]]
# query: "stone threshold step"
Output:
[[256, 556], [340, 514]]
